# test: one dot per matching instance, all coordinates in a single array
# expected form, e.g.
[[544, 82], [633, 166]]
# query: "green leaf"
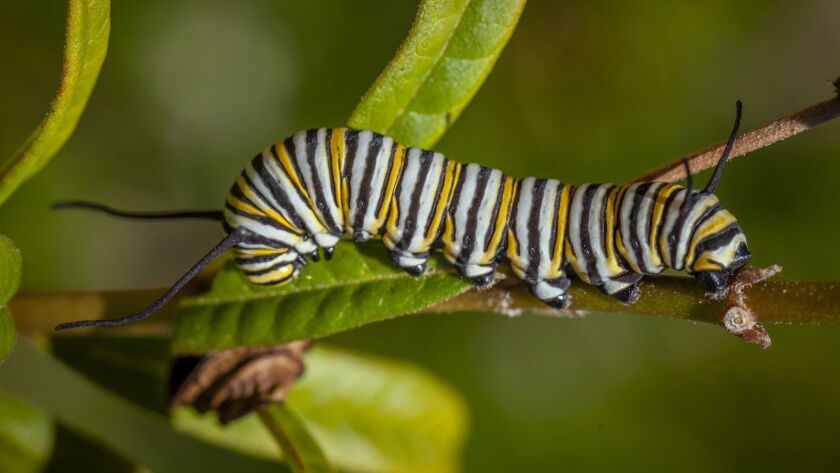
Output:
[[26, 437], [358, 286], [300, 450], [10, 271], [375, 415], [7, 333], [143, 437], [448, 53], [88, 25], [367, 414]]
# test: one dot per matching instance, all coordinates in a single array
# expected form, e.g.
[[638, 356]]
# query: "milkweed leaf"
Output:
[[86, 43]]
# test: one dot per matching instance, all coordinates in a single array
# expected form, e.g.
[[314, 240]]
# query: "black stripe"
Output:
[[391, 170], [410, 226], [278, 192], [260, 219], [363, 199], [662, 220], [456, 197], [320, 199], [655, 246], [468, 240], [291, 152], [328, 154], [532, 273], [585, 241], [603, 219], [497, 207], [690, 200], [558, 200], [635, 240], [717, 240], [438, 196]]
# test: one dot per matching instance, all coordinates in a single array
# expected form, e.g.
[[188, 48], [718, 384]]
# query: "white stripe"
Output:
[[548, 222], [575, 213], [299, 205], [427, 203], [671, 215], [700, 205], [523, 210]]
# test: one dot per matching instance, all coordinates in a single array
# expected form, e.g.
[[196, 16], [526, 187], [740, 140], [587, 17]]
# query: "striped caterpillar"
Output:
[[309, 191]]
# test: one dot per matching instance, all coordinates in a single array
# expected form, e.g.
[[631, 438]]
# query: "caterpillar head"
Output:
[[718, 246]]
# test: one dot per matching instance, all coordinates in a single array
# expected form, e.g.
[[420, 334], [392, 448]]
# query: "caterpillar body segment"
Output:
[[302, 195], [609, 235]]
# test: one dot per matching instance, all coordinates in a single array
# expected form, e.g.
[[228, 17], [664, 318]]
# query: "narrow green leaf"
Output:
[[367, 414], [448, 53], [10, 271], [300, 450], [88, 25], [358, 286], [140, 436], [26, 437], [7, 333]]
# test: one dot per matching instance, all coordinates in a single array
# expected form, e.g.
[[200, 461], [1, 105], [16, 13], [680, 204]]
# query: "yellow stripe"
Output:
[[450, 177], [289, 169], [240, 205], [260, 251], [388, 192], [720, 221], [556, 269], [337, 152], [513, 254], [570, 255], [281, 275], [448, 229], [658, 209], [612, 262], [501, 219], [270, 213]]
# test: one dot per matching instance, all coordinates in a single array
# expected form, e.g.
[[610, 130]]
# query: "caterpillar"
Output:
[[309, 191]]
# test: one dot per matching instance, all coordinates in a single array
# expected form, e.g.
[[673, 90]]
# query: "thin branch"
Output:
[[776, 131], [773, 302]]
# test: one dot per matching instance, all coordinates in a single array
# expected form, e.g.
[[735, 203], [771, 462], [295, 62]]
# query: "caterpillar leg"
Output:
[[713, 281], [478, 275], [554, 293], [418, 206], [476, 225], [413, 264], [628, 295]]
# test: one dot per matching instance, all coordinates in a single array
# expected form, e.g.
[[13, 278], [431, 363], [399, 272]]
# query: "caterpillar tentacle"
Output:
[[308, 192]]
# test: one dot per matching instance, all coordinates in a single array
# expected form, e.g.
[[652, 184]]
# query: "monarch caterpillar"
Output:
[[310, 190]]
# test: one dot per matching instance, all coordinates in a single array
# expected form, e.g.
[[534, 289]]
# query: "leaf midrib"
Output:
[[203, 301]]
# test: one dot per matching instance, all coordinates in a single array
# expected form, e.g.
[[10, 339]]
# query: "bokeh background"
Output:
[[586, 91]]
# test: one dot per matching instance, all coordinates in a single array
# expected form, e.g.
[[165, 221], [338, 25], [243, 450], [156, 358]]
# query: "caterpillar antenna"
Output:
[[710, 187], [689, 179], [236, 236], [174, 215]]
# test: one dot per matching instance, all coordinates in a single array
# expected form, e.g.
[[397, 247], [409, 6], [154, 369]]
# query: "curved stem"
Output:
[[773, 132]]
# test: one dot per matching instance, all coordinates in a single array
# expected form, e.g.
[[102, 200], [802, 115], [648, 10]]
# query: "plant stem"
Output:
[[667, 296], [773, 132]]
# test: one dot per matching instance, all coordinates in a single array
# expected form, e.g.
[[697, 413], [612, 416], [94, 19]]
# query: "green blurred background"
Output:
[[586, 91]]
